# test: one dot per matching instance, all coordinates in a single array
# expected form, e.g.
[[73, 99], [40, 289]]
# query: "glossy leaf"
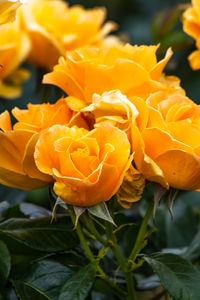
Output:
[[47, 276], [178, 276], [79, 285], [26, 291], [5, 263], [192, 252], [28, 236]]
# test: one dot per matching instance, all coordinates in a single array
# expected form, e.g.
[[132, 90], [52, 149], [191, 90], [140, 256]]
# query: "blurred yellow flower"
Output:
[[53, 28], [191, 25], [134, 70], [8, 10], [14, 48]]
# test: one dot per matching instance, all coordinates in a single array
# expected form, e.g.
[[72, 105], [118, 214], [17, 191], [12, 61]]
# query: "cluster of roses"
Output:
[[123, 122]]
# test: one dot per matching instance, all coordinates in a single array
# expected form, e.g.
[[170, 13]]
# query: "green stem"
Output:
[[116, 290], [81, 236], [93, 230], [122, 262], [141, 234]]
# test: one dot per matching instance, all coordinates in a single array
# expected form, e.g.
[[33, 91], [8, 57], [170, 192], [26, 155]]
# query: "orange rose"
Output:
[[53, 28], [134, 70], [164, 133], [88, 166], [14, 48], [17, 165], [191, 25]]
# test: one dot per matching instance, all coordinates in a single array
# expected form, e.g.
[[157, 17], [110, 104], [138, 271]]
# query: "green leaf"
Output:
[[192, 252], [5, 263], [78, 287], [47, 276], [29, 236], [101, 211], [26, 291], [178, 276]]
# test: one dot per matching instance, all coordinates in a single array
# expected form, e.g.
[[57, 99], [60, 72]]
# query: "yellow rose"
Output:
[[8, 10], [134, 70], [14, 48], [17, 165], [17, 168], [164, 133], [53, 28], [191, 25], [88, 166]]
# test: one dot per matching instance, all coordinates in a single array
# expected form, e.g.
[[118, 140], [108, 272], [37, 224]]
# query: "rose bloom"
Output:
[[88, 166], [14, 48], [164, 133], [134, 70], [53, 28], [17, 165], [191, 25]]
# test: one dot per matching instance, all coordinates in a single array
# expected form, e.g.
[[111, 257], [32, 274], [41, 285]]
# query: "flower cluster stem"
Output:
[[116, 290], [141, 234], [122, 261]]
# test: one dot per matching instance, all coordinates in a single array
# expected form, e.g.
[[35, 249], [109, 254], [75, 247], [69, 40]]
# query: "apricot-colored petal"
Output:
[[13, 144], [44, 155], [5, 121], [159, 67], [19, 181], [64, 81], [181, 169], [29, 165], [185, 132], [108, 134], [82, 193], [156, 120], [101, 78], [190, 23], [194, 59], [157, 142], [143, 162]]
